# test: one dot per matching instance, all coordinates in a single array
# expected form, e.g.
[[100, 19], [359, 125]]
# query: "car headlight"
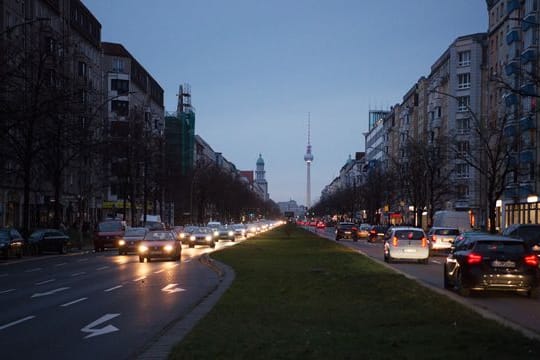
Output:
[[192, 238], [121, 242], [216, 233], [168, 248], [182, 235], [143, 248], [231, 233], [208, 238], [16, 243]]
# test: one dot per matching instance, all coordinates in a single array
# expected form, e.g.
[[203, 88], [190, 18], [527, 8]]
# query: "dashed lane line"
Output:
[[33, 270], [7, 291], [45, 282], [73, 302], [113, 288], [17, 322], [79, 273]]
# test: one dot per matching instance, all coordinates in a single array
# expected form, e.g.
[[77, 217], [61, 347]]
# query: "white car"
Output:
[[406, 243]]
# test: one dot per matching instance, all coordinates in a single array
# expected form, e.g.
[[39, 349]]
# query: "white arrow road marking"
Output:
[[49, 292], [73, 302], [17, 322], [114, 288], [172, 288], [45, 282], [139, 279], [33, 270], [7, 291], [100, 331]]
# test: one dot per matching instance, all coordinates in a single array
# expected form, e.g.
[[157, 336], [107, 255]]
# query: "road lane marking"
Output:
[[101, 331], [7, 291], [139, 279], [79, 273], [188, 260], [172, 288], [61, 264], [73, 302], [159, 271], [49, 292], [102, 268], [33, 270], [114, 288], [81, 260], [16, 322], [45, 282], [436, 261]]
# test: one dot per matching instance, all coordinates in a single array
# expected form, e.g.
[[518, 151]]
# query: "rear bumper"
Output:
[[501, 282], [405, 253]]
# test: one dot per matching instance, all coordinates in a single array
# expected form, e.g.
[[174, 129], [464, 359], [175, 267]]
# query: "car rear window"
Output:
[[452, 232], [409, 234], [346, 226], [497, 246], [110, 226], [135, 232]]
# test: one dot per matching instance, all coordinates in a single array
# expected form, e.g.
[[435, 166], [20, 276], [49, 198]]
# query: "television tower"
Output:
[[308, 158]]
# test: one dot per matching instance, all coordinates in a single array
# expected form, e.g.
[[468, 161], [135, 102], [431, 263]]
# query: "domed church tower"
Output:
[[260, 181]]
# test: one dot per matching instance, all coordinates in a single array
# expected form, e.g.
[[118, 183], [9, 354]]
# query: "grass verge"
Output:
[[303, 297]]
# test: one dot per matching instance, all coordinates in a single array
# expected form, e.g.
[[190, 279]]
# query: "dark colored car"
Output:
[[161, 244], [53, 240], [11, 243], [377, 233], [492, 262], [108, 233], [130, 242], [346, 230], [530, 233]]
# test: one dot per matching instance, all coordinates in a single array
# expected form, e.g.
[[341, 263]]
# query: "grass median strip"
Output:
[[303, 297]]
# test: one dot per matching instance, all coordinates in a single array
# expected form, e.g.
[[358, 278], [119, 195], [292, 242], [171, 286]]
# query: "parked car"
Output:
[[11, 243], [492, 262], [377, 232], [530, 233], [131, 239], [161, 244], [225, 233], [202, 236], [363, 230], [108, 233], [406, 243], [346, 230], [49, 240], [442, 238]]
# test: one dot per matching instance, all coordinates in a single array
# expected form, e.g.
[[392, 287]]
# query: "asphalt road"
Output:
[[96, 305], [513, 307]]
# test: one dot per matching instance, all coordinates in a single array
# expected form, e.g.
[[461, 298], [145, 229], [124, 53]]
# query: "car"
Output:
[[108, 233], [442, 238], [225, 233], [363, 230], [320, 224], [161, 244], [530, 233], [240, 230], [202, 236], [406, 243], [11, 243], [377, 232], [466, 237], [186, 232], [49, 240], [131, 239], [346, 230], [492, 262]]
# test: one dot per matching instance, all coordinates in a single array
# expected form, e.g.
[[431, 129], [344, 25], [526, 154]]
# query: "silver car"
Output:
[[406, 243], [202, 236], [442, 238]]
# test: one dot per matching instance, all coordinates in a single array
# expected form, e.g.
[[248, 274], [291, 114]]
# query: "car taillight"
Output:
[[395, 241], [434, 238], [424, 242], [531, 260], [354, 229], [474, 259], [373, 232]]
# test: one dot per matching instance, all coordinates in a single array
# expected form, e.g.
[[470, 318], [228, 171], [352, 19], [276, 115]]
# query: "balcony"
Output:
[[527, 123], [526, 156], [511, 68], [528, 90], [529, 21], [512, 36], [528, 55]]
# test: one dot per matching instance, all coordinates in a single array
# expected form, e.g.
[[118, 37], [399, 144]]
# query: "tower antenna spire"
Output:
[[308, 158]]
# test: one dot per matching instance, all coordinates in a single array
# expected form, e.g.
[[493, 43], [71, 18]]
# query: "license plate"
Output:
[[409, 250], [504, 264], [155, 252], [347, 232]]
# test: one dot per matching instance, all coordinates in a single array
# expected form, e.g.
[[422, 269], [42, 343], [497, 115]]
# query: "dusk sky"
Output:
[[256, 68]]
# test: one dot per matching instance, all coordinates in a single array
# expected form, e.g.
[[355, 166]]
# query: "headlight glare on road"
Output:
[[121, 242], [143, 248], [168, 248]]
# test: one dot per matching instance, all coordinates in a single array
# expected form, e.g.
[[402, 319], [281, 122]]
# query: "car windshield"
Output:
[[497, 246], [159, 236], [409, 234], [135, 232], [452, 232], [110, 226]]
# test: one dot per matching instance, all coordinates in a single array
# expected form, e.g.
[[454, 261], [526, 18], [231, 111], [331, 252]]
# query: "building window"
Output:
[[463, 125], [120, 107], [122, 86], [462, 171], [82, 69], [439, 111], [464, 102], [464, 81], [463, 191], [462, 148], [464, 58], [118, 65]]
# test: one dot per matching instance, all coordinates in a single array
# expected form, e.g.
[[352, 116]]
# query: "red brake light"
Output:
[[434, 238], [373, 231], [531, 260], [424, 242], [474, 259], [354, 229], [395, 241]]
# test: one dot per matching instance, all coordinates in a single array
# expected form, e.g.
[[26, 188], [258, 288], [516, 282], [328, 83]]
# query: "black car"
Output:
[[377, 233], [492, 262], [11, 243], [346, 230], [530, 233], [49, 240]]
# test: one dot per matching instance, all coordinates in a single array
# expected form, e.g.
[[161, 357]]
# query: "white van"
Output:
[[452, 219]]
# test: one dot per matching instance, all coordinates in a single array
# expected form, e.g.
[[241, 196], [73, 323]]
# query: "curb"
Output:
[[174, 333]]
